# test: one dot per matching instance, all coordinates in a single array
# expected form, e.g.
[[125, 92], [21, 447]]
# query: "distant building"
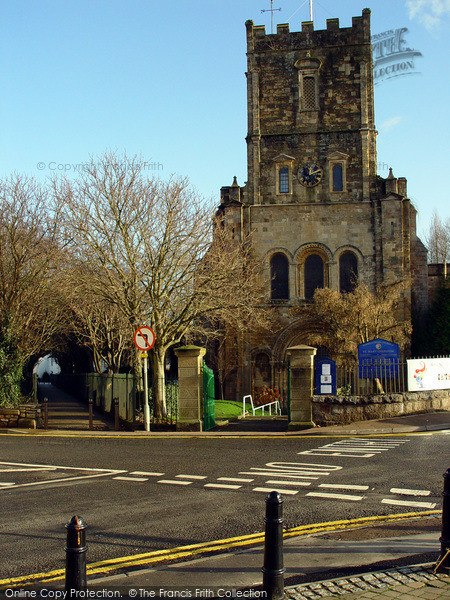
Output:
[[46, 364], [318, 212]]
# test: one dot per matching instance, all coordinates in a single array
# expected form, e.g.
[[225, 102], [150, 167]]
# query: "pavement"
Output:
[[384, 559], [69, 414], [350, 564]]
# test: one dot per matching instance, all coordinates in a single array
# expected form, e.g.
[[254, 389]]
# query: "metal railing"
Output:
[[387, 377], [171, 416]]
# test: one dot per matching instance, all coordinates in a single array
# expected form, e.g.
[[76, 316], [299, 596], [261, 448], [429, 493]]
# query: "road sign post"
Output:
[[146, 406], [144, 339]]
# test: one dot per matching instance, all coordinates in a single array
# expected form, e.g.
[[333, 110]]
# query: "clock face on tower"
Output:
[[310, 175]]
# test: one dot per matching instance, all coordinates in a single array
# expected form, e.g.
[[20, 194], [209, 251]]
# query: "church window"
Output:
[[283, 180], [279, 277], [338, 178], [309, 93], [348, 272], [314, 275]]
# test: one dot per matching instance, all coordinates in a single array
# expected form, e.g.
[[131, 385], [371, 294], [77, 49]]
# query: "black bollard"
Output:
[[116, 414], [273, 570], [91, 415], [444, 559], [76, 556]]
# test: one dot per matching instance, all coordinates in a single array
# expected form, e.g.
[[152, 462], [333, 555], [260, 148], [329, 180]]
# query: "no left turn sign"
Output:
[[144, 338]]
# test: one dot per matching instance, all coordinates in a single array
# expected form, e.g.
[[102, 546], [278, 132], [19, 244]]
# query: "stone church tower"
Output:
[[317, 209]]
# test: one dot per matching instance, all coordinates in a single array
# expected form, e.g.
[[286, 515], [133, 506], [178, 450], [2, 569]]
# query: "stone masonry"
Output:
[[313, 199]]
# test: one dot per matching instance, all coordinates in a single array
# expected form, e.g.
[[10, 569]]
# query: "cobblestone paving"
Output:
[[404, 583]]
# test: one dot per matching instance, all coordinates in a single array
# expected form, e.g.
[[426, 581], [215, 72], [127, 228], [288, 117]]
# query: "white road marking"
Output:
[[337, 486], [7, 484], [295, 466], [131, 478], [273, 482], [334, 496], [324, 452], [279, 473], [408, 503], [147, 473], [54, 467], [237, 479], [191, 476], [17, 470], [68, 479], [355, 448], [222, 485], [174, 482], [268, 490], [405, 492]]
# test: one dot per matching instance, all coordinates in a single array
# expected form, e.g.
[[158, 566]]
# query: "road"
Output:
[[141, 494]]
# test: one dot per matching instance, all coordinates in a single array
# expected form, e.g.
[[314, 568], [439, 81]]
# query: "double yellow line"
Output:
[[193, 550]]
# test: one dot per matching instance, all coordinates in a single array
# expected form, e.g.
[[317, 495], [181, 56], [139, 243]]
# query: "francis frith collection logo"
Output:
[[391, 55]]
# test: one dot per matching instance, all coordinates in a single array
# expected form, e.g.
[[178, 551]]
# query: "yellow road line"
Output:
[[224, 436], [192, 550]]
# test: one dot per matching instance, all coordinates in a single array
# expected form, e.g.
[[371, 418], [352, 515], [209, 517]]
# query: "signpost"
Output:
[[144, 339], [378, 359]]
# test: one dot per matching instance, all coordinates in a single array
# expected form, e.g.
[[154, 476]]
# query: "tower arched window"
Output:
[[314, 275], [338, 178], [348, 272], [283, 180], [279, 277]]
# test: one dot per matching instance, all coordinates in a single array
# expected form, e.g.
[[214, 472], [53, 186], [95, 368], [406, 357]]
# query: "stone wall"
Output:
[[27, 416], [338, 410]]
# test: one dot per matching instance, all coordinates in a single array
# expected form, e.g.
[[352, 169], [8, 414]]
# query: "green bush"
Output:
[[10, 373]]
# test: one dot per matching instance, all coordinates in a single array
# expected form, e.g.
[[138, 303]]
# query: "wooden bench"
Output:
[[262, 407]]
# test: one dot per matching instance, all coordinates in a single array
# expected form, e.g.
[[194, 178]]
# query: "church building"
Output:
[[318, 212]]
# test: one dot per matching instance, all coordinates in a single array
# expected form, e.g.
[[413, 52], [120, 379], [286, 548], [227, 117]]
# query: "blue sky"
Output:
[[165, 80]]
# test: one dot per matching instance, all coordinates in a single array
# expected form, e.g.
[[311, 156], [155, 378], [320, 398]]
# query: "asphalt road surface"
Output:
[[142, 494]]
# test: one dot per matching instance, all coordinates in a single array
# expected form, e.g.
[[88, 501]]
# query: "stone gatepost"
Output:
[[190, 388], [302, 380]]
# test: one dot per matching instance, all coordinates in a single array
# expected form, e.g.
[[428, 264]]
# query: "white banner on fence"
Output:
[[428, 374]]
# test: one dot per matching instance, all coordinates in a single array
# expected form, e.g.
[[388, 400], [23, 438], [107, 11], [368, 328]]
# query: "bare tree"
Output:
[[152, 242], [97, 323], [341, 322], [30, 274], [438, 240]]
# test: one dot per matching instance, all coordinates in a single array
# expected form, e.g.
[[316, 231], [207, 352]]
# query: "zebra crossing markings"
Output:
[[354, 448], [237, 479], [300, 483], [393, 502], [334, 496], [268, 490], [225, 486], [410, 492], [289, 475], [147, 473], [174, 481], [141, 479], [337, 486]]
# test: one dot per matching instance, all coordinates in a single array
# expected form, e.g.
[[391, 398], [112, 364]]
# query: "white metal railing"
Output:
[[262, 407]]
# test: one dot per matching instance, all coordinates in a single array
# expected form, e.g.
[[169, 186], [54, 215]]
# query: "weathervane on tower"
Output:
[[271, 10]]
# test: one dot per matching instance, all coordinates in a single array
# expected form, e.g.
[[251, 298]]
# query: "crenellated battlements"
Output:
[[308, 36]]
